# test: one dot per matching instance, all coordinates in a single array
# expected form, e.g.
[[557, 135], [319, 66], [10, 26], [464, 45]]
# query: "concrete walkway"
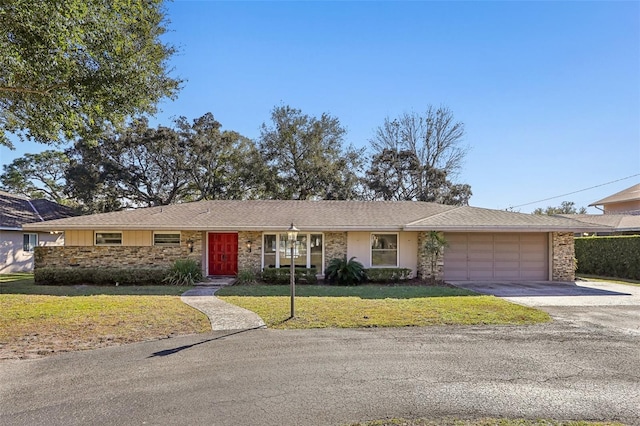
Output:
[[222, 315]]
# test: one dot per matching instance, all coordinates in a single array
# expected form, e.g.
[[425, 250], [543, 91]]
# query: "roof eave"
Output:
[[492, 228], [262, 228]]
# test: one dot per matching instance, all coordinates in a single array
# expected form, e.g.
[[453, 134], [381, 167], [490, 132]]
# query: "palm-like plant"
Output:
[[345, 272], [434, 246]]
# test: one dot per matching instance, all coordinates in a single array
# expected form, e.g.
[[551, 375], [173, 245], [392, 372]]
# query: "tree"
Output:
[[222, 164], [566, 207], [143, 166], [39, 175], [434, 246], [415, 156], [78, 67], [305, 159], [88, 182]]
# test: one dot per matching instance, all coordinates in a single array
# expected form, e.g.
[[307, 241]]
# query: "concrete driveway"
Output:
[[603, 304]]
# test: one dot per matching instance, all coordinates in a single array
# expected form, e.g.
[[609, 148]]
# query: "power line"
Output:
[[574, 192]]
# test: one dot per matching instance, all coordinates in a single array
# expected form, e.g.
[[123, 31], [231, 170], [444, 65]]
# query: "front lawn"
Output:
[[376, 306], [42, 320]]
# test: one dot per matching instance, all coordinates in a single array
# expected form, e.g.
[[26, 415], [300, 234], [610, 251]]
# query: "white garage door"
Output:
[[480, 256]]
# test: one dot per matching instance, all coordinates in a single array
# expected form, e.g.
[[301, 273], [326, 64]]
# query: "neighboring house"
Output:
[[626, 202], [16, 245], [619, 224], [621, 213], [227, 236]]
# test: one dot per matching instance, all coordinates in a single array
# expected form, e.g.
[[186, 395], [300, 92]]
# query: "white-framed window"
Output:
[[166, 238], [108, 238], [308, 251], [384, 250], [29, 242]]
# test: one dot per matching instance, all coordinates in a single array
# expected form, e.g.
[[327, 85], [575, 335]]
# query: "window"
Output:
[[108, 238], [307, 252], [166, 239], [384, 250], [29, 242]]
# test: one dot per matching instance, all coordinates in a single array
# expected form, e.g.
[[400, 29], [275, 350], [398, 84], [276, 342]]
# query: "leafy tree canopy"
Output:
[[77, 67], [305, 158], [566, 207], [37, 176]]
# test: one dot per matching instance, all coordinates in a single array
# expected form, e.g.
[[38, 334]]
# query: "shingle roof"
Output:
[[620, 222], [16, 211], [313, 215], [468, 218], [629, 194]]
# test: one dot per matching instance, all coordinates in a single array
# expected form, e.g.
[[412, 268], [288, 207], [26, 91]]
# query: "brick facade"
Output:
[[335, 245], [120, 256], [562, 257], [250, 260]]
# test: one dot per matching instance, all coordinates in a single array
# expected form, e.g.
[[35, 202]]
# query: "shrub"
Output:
[[282, 275], [345, 272], [247, 276], [609, 256], [184, 272], [99, 276], [387, 275]]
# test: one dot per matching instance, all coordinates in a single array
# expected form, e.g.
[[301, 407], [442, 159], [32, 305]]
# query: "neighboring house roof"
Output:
[[16, 211], [629, 194], [620, 222], [321, 215]]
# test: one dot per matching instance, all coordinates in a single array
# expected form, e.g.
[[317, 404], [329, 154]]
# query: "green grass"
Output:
[[23, 284], [609, 279], [41, 320], [377, 306], [362, 291], [483, 422]]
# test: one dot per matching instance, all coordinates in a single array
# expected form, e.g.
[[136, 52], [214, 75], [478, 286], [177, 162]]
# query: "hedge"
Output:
[[609, 256], [387, 275], [99, 276], [282, 275]]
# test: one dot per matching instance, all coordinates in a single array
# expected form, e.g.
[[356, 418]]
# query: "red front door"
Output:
[[223, 254]]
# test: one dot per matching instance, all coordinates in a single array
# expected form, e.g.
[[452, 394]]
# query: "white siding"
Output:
[[13, 258]]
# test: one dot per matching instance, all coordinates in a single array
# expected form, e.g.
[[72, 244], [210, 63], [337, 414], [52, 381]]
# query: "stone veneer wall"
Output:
[[563, 257], [335, 245], [120, 256], [249, 260], [424, 261]]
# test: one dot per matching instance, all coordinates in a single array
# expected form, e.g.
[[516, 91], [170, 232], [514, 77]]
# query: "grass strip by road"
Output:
[[614, 280], [483, 422], [377, 306], [33, 324]]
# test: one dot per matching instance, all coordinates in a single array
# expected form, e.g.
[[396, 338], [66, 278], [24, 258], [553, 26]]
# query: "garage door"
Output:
[[480, 256]]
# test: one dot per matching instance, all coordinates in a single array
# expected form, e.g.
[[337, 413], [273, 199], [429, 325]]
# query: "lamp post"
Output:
[[292, 236]]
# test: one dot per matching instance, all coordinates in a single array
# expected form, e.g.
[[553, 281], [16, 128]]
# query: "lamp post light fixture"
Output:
[[292, 236]]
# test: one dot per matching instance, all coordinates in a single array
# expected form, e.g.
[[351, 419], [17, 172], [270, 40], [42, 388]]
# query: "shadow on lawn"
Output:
[[172, 351], [368, 291]]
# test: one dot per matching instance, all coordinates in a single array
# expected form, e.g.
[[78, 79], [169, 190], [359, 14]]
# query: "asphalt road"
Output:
[[333, 377]]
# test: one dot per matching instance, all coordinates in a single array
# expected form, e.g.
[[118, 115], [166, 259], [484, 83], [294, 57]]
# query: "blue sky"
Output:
[[549, 91]]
